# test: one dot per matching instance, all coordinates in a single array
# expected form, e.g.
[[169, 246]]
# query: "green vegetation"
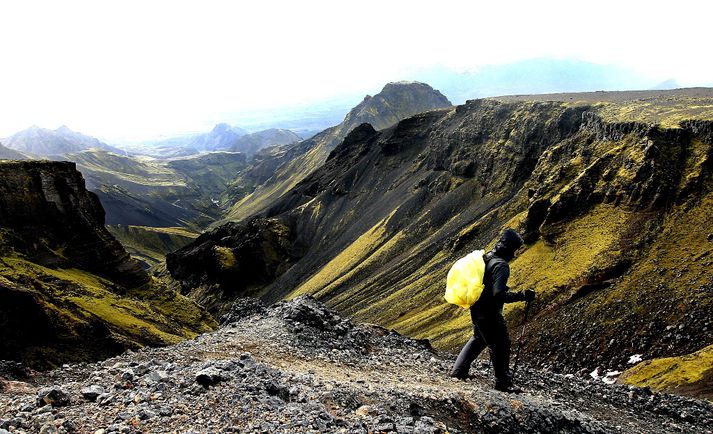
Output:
[[74, 300], [150, 245], [689, 374]]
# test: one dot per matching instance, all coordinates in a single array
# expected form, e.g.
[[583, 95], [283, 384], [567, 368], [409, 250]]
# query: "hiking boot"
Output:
[[508, 388]]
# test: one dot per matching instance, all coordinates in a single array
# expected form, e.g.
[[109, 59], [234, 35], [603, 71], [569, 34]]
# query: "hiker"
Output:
[[489, 327]]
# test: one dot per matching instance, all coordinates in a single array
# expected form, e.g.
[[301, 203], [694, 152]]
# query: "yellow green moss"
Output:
[[348, 259], [148, 314], [225, 257], [675, 374]]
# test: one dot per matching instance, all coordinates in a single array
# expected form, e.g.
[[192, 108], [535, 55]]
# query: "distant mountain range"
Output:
[[46, 143], [222, 137], [251, 143]]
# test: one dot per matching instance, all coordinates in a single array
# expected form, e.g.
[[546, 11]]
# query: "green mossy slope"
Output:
[[150, 245]]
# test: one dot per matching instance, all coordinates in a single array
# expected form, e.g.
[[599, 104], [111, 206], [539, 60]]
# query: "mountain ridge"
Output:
[[47, 143], [289, 165]]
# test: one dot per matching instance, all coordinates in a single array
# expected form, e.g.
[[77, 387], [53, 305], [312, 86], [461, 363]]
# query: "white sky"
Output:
[[125, 69]]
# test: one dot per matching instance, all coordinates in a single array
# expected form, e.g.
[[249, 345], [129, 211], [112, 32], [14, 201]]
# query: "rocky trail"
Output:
[[299, 367]]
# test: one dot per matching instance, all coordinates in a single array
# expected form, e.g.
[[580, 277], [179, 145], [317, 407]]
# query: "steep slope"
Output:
[[11, 154], [44, 142], [68, 289], [150, 245], [615, 215], [276, 172], [297, 367]]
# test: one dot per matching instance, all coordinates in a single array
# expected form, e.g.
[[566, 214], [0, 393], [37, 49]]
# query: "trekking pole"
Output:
[[519, 340]]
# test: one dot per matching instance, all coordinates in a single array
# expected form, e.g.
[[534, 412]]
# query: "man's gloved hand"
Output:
[[529, 294]]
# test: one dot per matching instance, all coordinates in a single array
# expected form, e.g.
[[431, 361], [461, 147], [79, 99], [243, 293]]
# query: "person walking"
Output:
[[489, 326]]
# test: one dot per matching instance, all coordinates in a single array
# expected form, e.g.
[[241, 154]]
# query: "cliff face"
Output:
[[57, 222], [68, 290], [614, 214]]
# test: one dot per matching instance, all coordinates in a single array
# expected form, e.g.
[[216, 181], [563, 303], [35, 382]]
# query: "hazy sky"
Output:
[[142, 68]]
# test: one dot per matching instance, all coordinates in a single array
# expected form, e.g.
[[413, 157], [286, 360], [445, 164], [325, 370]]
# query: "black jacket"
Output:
[[496, 291]]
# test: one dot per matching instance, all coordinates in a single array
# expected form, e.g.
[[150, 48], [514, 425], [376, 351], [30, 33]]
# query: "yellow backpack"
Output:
[[465, 280]]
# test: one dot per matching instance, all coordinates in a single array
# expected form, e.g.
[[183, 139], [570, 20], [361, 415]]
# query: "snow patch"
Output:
[[610, 377], [636, 358]]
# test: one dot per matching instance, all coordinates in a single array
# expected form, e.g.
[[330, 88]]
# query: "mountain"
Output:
[[11, 154], [69, 290], [251, 143], [45, 143], [221, 137], [277, 170], [666, 85], [612, 191], [297, 367]]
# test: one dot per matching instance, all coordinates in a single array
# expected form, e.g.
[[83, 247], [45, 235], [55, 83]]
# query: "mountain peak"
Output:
[[396, 101], [221, 128], [45, 142]]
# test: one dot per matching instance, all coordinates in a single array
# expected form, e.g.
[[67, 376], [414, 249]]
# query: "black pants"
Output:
[[491, 332]]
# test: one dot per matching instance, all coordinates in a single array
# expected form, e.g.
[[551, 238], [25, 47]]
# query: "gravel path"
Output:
[[298, 367]]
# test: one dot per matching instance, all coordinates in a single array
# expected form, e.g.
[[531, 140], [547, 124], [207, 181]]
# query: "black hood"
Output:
[[507, 244]]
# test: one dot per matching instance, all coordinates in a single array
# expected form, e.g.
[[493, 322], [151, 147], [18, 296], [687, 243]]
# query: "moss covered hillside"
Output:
[[150, 245], [68, 289], [612, 191]]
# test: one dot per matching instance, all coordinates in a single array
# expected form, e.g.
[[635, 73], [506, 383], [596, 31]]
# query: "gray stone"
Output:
[[91, 393]]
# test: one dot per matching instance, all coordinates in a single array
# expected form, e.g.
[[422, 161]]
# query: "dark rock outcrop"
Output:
[[55, 221], [236, 258]]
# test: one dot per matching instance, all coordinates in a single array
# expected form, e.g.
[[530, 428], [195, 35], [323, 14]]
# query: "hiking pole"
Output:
[[519, 340]]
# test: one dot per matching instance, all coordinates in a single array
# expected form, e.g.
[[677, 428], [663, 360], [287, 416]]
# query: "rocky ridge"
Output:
[[277, 170], [299, 367]]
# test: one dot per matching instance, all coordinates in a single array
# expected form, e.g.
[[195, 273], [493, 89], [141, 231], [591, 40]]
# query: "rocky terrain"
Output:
[[616, 214], [68, 289], [299, 367]]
